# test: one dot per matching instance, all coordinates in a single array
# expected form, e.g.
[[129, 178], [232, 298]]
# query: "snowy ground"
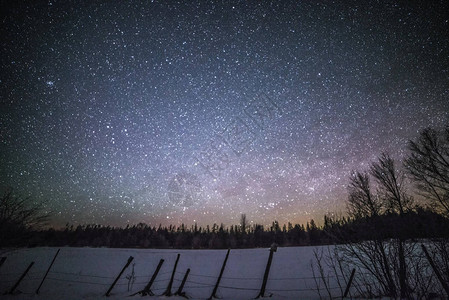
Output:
[[87, 273]]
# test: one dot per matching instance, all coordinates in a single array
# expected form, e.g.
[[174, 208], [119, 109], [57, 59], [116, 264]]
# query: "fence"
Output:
[[163, 283]]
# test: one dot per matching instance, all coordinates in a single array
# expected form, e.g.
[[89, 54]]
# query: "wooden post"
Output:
[[48, 270], [180, 292], [20, 279], [219, 276], [435, 269], [130, 259], [2, 261], [267, 271], [147, 290], [170, 283], [349, 284], [402, 270]]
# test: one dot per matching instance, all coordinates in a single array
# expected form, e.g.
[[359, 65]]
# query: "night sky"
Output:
[[117, 112]]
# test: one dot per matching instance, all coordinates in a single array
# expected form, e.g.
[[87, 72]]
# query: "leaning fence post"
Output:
[[2, 261], [267, 271], [48, 270], [20, 279], [130, 259], [170, 283], [435, 269], [219, 276], [349, 284], [147, 290], [180, 292]]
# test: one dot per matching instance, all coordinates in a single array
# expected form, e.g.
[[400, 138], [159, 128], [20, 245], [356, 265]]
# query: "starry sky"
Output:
[[120, 112]]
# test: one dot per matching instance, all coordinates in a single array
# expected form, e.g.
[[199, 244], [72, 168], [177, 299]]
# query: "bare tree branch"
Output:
[[428, 165]]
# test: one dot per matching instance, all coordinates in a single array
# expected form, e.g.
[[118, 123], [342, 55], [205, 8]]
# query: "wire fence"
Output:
[[84, 279], [330, 284], [194, 282]]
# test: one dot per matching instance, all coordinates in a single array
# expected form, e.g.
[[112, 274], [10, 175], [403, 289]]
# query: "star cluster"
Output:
[[127, 112]]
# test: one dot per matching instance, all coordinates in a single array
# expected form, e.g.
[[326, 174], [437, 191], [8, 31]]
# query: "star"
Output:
[[165, 113]]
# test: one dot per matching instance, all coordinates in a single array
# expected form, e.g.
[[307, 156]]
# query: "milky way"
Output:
[[166, 112]]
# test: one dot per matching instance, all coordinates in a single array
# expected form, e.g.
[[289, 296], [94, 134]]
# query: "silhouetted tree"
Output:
[[19, 215], [391, 185], [395, 198], [428, 164], [361, 202], [313, 232], [243, 223], [378, 224]]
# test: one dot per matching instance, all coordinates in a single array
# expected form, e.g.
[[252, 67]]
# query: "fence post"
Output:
[[2, 261], [180, 292], [147, 290], [170, 283], [349, 284], [20, 279], [130, 259], [48, 270], [219, 276], [435, 269], [267, 271]]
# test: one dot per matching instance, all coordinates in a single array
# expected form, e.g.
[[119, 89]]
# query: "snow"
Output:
[[87, 273]]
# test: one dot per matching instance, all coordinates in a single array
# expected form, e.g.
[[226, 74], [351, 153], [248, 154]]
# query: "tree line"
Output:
[[182, 237], [418, 224]]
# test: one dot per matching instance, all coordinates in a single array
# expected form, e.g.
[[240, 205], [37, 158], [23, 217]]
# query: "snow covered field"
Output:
[[87, 273]]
